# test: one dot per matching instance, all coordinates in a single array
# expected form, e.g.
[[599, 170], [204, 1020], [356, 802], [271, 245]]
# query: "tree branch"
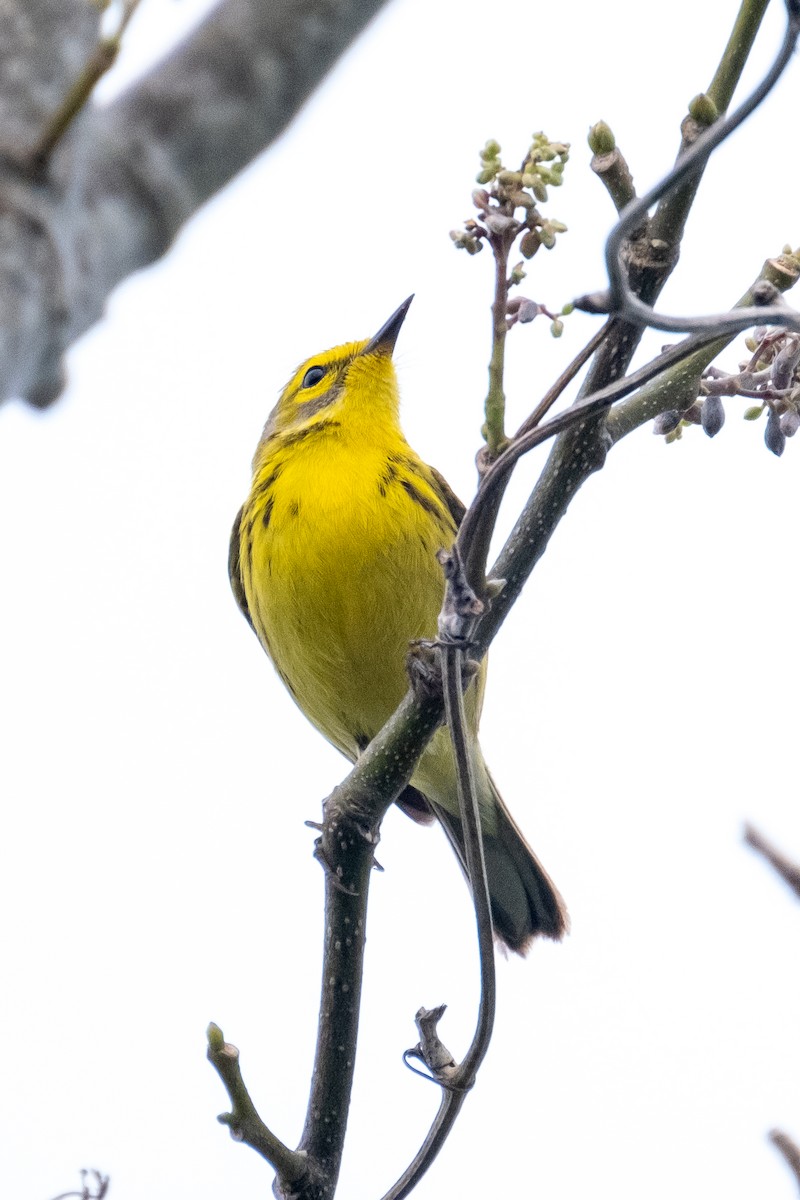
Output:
[[243, 1121], [790, 1151], [669, 220], [353, 813], [678, 387], [622, 299], [125, 178], [788, 870]]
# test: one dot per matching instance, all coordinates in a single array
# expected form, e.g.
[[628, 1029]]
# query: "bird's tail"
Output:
[[525, 902]]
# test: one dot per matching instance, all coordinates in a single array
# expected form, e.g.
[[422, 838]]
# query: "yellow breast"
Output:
[[338, 545]]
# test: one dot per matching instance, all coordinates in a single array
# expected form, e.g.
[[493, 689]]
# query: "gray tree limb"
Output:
[[127, 176]]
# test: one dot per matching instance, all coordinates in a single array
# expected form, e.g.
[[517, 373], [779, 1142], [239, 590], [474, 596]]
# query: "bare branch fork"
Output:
[[620, 299], [474, 609]]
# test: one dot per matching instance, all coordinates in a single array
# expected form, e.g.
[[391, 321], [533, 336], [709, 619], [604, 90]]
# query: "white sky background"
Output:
[[155, 872]]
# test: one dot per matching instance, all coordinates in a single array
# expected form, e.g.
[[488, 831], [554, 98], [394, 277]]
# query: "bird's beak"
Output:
[[385, 338]]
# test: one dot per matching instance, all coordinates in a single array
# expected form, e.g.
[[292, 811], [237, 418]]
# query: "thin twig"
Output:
[[99, 63], [678, 388], [457, 1080], [496, 478], [620, 299], [614, 173], [569, 465], [96, 1190], [789, 1149], [564, 380], [453, 660], [669, 219], [495, 406], [788, 870], [449, 1108], [243, 1120]]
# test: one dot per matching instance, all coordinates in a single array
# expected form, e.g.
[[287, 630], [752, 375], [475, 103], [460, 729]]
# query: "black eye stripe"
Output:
[[312, 376]]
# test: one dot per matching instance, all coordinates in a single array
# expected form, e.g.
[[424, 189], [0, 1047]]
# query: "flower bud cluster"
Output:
[[506, 200], [770, 376]]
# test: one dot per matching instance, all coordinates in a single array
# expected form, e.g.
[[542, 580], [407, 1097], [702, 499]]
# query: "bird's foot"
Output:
[[424, 667]]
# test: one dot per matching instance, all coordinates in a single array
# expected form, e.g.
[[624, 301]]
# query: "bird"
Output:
[[333, 563]]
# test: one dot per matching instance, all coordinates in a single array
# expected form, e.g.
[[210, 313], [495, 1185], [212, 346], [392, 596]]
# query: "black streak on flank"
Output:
[[267, 483], [267, 513], [428, 505], [388, 476], [294, 508]]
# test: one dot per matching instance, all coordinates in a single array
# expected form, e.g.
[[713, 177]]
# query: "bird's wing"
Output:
[[235, 571], [454, 506]]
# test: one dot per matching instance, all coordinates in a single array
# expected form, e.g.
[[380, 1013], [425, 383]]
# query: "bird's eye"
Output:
[[312, 376]]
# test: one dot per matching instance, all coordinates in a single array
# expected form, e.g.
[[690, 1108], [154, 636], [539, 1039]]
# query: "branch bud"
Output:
[[790, 422], [665, 422], [712, 417], [530, 244], [774, 437], [601, 140], [703, 109]]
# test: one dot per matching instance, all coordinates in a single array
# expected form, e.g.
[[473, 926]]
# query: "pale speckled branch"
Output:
[[127, 177]]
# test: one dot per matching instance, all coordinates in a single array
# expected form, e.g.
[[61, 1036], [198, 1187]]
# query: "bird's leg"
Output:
[[425, 669]]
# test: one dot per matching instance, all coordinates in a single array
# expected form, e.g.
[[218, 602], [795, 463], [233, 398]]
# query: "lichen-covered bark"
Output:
[[126, 177]]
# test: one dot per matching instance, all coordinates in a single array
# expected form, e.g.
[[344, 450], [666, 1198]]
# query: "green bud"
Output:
[[557, 328], [485, 176], [601, 140], [530, 243], [491, 149], [517, 275], [752, 414], [509, 178], [547, 237], [703, 109], [539, 191], [567, 309], [521, 200], [214, 1037]]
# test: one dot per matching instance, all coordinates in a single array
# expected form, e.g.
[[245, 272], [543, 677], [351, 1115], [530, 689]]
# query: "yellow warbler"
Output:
[[333, 562]]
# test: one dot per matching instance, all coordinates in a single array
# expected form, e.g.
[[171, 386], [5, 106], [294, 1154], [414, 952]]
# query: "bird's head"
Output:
[[358, 377]]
